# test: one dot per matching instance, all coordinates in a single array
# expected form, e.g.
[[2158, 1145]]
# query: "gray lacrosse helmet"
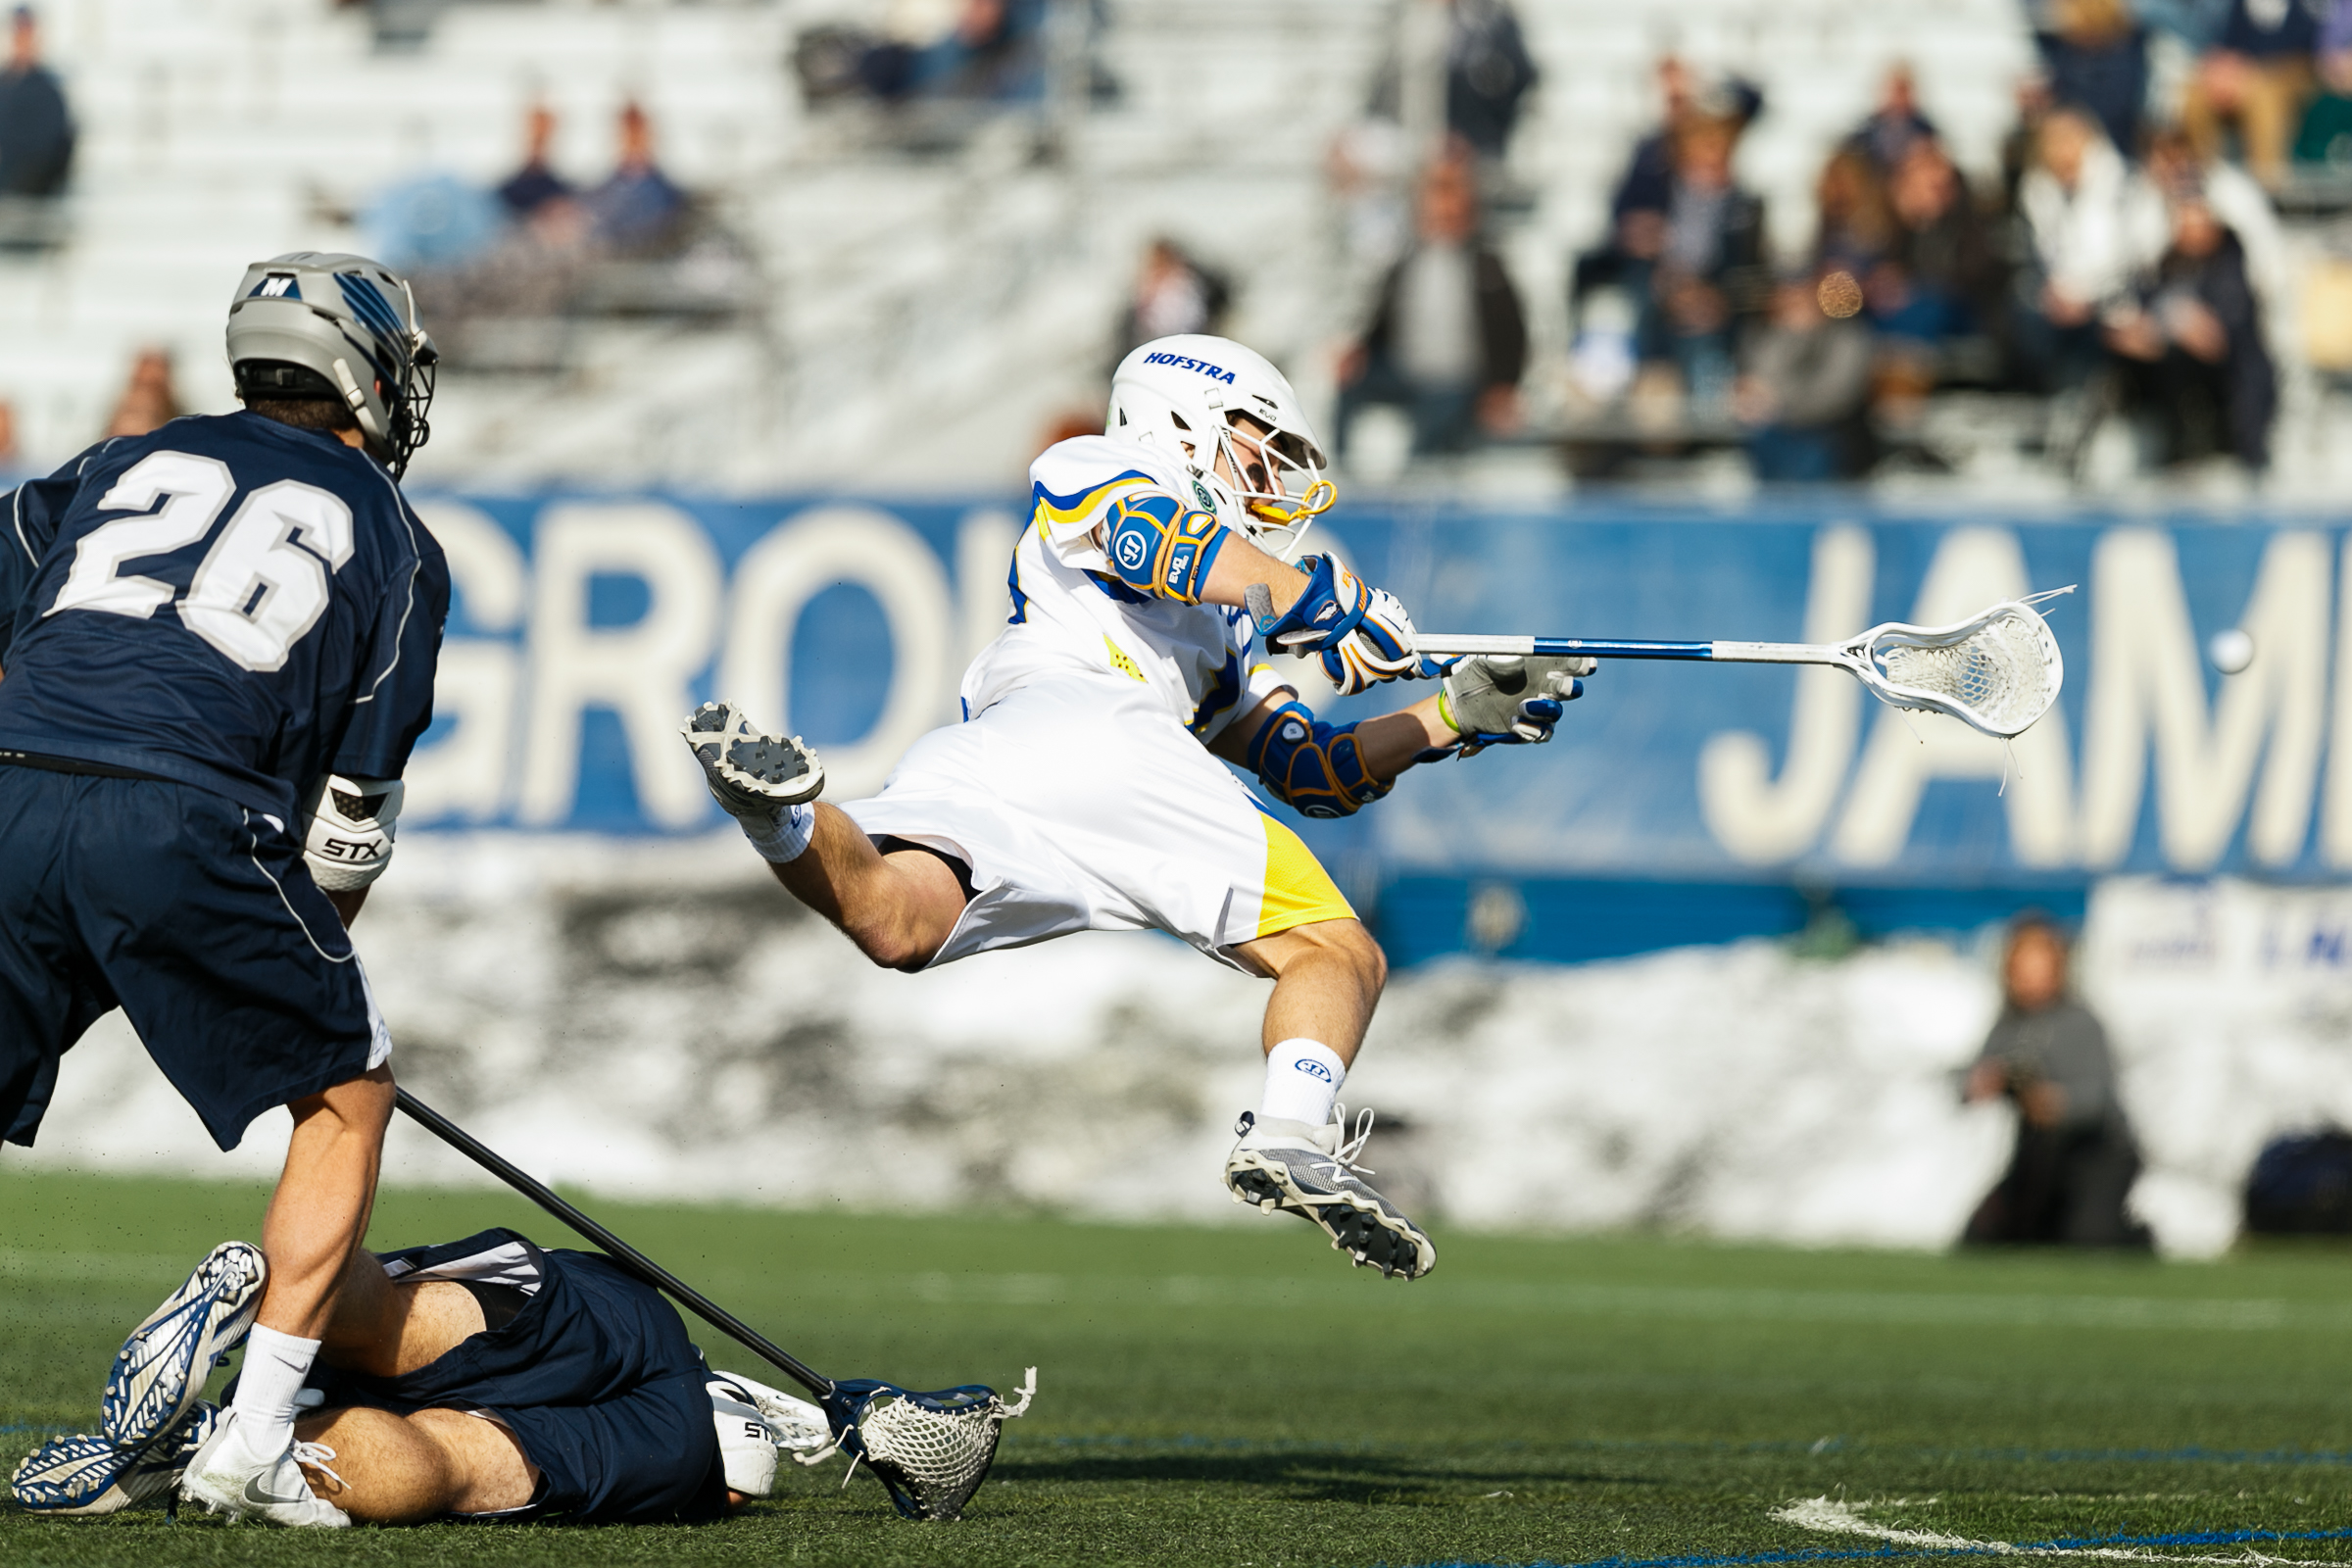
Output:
[[320, 324]]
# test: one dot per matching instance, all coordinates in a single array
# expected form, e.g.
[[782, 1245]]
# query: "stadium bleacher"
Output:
[[921, 315]]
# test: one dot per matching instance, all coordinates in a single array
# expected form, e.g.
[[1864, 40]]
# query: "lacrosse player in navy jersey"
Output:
[[485, 1379], [1085, 789], [217, 648]]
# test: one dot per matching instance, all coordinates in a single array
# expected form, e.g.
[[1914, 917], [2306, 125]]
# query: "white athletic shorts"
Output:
[[1081, 804]]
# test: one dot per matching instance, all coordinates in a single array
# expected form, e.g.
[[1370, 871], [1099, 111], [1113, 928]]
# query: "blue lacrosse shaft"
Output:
[[1618, 647], [1452, 646], [1566, 647]]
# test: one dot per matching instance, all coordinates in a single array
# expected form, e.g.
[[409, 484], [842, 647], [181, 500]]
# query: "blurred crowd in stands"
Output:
[[2124, 262], [500, 268]]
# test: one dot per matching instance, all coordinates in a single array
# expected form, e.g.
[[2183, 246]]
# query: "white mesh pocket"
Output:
[[1998, 672]]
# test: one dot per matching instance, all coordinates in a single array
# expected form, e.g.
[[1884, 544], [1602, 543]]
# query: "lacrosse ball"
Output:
[[2231, 651]]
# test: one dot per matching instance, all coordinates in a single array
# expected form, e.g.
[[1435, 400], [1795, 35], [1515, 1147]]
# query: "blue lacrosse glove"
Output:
[[1506, 700], [1361, 633]]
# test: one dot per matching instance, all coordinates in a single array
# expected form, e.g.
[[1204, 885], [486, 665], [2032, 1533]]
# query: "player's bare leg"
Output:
[[385, 1469], [898, 907], [1293, 1156], [319, 1213], [1327, 979], [310, 1235]]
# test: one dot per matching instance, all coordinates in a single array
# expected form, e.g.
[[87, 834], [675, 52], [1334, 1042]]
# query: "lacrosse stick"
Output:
[[930, 1451], [1996, 671]]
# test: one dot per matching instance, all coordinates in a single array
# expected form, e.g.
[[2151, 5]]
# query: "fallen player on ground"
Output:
[[485, 1379]]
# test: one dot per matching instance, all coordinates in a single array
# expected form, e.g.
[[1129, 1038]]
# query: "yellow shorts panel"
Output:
[[1298, 889]]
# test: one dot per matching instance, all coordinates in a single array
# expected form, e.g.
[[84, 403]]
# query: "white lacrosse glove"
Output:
[[1362, 632], [764, 782], [349, 840], [1381, 647], [1507, 699], [792, 1423]]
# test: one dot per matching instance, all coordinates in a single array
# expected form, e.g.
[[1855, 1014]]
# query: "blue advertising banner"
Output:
[[584, 627]]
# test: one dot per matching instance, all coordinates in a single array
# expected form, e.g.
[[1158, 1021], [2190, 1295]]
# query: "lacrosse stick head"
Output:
[[930, 1451], [1996, 671]]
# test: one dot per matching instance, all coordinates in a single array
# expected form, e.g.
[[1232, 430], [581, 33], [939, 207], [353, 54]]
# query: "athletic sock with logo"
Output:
[[275, 1365], [1302, 1079]]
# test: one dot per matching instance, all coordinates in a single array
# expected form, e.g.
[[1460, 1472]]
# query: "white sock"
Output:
[[784, 843], [1302, 1079], [275, 1365]]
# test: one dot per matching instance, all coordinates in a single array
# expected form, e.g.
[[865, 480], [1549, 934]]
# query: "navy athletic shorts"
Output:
[[594, 1376], [194, 915]]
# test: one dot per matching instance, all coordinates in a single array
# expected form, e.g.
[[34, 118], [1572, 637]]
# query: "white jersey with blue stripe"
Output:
[[1071, 613]]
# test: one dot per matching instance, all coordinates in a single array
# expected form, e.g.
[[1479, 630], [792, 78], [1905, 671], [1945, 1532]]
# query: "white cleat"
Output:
[[228, 1477], [1291, 1167], [90, 1473], [158, 1376], [750, 775]]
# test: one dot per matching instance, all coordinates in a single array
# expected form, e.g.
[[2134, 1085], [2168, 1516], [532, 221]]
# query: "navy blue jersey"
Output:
[[227, 602]]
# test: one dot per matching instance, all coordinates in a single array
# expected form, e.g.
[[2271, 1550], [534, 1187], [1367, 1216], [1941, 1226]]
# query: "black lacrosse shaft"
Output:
[[636, 1262]]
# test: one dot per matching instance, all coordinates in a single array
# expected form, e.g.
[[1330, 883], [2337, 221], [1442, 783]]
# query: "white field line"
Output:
[[1845, 1519]]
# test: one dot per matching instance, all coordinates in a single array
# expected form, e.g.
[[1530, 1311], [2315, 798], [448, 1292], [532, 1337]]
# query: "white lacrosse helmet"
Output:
[[1182, 397]]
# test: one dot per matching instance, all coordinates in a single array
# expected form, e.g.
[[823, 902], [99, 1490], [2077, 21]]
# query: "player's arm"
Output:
[[1158, 545], [1324, 769]]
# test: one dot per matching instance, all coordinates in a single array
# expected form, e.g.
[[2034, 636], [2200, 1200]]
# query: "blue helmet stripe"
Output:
[[368, 304]]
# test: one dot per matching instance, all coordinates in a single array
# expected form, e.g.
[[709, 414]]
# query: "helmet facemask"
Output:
[[1275, 478]]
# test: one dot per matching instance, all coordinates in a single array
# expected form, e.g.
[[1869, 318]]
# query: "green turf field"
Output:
[[1238, 1397]]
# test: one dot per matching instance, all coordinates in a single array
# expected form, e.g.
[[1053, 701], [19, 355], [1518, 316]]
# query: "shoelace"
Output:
[[317, 1455], [1342, 1161]]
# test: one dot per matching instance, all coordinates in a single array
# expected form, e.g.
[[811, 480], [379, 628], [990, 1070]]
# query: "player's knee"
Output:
[[1354, 944], [892, 945], [1344, 945]]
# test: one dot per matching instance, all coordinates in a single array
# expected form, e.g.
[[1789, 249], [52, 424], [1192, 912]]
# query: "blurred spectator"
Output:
[[37, 129], [535, 183], [2021, 148], [1488, 72], [1705, 281], [2190, 345], [1447, 341], [1857, 227], [2074, 201], [7, 433], [1895, 124], [1807, 384], [2076, 1159], [2326, 135], [637, 210], [2097, 57], [148, 400], [1942, 280], [2256, 77], [1173, 294], [1647, 184], [1643, 192], [2171, 169], [430, 222], [988, 49]]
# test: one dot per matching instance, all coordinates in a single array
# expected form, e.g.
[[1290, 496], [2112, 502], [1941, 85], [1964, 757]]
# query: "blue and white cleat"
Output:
[[88, 1473], [158, 1374]]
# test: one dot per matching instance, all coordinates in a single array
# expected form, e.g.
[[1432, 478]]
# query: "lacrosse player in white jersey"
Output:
[[1085, 791]]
